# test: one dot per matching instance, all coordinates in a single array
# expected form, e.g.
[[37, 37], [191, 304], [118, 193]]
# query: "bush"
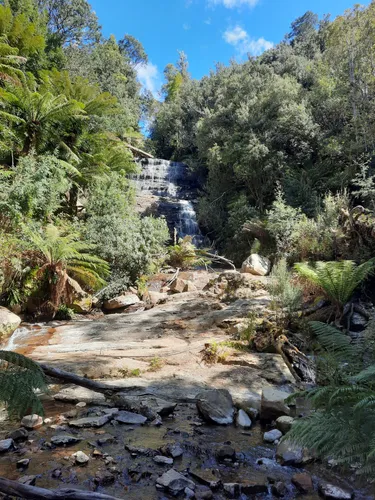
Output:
[[286, 295], [184, 254]]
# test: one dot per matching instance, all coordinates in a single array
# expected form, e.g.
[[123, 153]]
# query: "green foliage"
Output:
[[286, 295], [184, 254], [64, 313], [20, 377], [342, 423], [337, 280]]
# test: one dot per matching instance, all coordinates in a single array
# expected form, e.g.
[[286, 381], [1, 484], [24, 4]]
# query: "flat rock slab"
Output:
[[91, 421], [127, 417], [175, 482], [216, 406], [65, 439]]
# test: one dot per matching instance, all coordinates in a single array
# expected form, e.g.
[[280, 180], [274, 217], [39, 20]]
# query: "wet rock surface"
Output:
[[216, 406]]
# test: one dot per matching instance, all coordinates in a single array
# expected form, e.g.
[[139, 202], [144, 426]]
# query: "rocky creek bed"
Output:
[[182, 452]]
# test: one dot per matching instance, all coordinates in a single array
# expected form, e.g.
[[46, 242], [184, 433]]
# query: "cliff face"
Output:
[[164, 189]]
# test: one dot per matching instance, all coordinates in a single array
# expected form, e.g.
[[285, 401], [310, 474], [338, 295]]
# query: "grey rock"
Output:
[[156, 405], [284, 424], [81, 458], [232, 490], [174, 482], [91, 421], [64, 439], [6, 445], [203, 493], [20, 434], [28, 480], [279, 489], [226, 452], [333, 492], [216, 406], [161, 460], [243, 420], [303, 482], [23, 463], [127, 417], [189, 493], [106, 439], [253, 413], [104, 478], [272, 436], [273, 404], [206, 477], [32, 421], [172, 450], [288, 453]]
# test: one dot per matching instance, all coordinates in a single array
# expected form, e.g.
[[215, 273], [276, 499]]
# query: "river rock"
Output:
[[121, 302], [127, 417], [104, 478], [334, 492], [156, 405], [172, 450], [76, 298], [189, 493], [272, 436], [232, 490], [226, 452], [161, 460], [216, 406], [288, 453], [175, 482], [203, 493], [273, 404], [284, 424], [64, 439], [6, 445], [257, 265], [91, 421], [9, 322], [156, 298], [20, 434], [243, 420], [303, 482], [32, 422], [358, 322], [279, 489], [206, 477], [81, 458], [27, 480]]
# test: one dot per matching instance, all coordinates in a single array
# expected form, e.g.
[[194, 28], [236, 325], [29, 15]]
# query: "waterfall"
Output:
[[165, 184]]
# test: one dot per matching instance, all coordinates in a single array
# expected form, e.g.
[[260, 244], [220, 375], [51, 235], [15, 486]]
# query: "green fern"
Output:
[[20, 377], [338, 280]]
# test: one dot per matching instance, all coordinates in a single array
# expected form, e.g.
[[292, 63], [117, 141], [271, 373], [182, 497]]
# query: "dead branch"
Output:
[[218, 258], [300, 366], [15, 489]]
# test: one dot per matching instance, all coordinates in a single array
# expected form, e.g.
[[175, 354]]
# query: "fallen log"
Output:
[[93, 385], [219, 258], [15, 489], [300, 366]]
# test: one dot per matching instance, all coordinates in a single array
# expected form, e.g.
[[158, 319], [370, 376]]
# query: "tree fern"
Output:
[[20, 377], [337, 280]]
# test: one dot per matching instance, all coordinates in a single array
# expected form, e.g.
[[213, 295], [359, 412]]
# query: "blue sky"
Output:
[[208, 31]]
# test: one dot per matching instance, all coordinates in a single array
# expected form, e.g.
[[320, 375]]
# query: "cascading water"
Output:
[[166, 184]]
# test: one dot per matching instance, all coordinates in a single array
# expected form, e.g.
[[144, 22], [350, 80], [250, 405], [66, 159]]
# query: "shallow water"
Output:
[[137, 476]]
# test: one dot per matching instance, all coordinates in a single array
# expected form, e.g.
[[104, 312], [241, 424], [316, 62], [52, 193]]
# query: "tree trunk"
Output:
[[15, 489]]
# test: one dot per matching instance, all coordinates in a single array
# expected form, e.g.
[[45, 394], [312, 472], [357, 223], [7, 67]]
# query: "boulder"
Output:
[[272, 436], [284, 424], [334, 492], [303, 482], [76, 298], [216, 406], [178, 286], [257, 265], [127, 417], [32, 422], [19, 435], [121, 302], [243, 420], [273, 404], [174, 482], [6, 445], [9, 322]]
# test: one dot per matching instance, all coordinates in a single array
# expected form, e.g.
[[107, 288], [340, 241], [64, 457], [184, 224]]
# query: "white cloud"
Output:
[[148, 75], [234, 4], [235, 36], [186, 26], [244, 44]]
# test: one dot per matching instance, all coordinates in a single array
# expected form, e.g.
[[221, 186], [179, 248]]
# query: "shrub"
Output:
[[184, 254]]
